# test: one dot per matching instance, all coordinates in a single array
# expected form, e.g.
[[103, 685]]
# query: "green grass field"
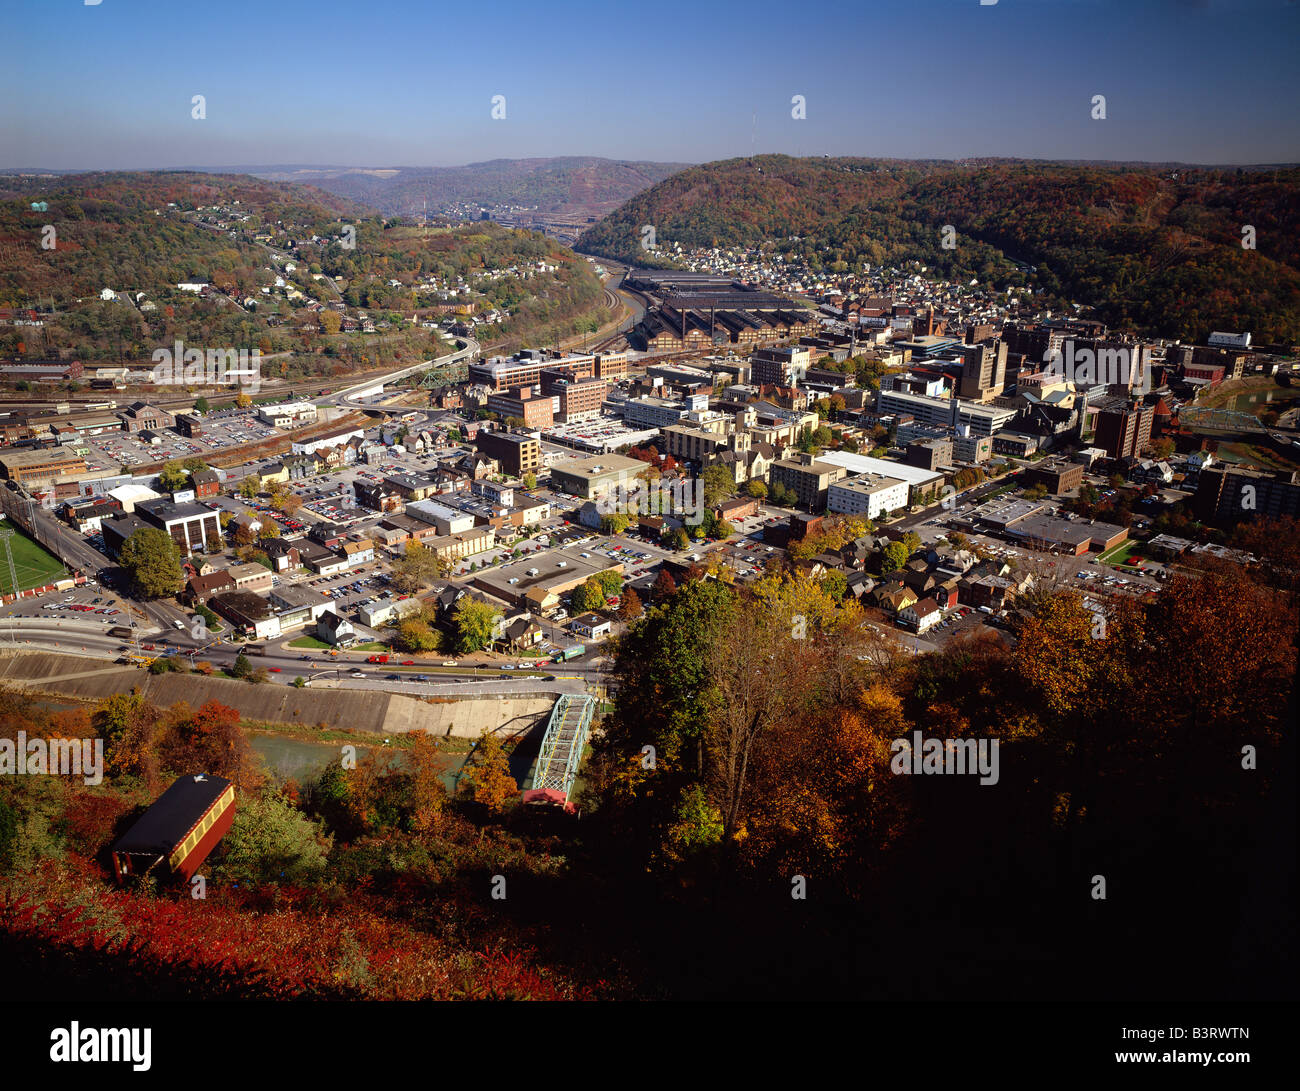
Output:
[[32, 564], [1122, 552]]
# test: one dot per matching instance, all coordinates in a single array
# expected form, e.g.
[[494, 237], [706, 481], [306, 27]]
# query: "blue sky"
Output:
[[410, 82]]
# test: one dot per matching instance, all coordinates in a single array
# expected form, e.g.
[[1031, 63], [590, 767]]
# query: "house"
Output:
[[374, 613], [920, 616], [328, 564], [446, 600], [200, 589], [359, 552], [380, 496], [389, 536], [251, 577], [920, 579], [523, 632], [246, 521], [275, 474], [1150, 472], [282, 553], [335, 630], [946, 594], [591, 625], [856, 553], [893, 602], [859, 584], [206, 483], [326, 534]]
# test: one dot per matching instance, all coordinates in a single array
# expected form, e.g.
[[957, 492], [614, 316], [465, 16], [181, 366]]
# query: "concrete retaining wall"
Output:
[[358, 710]]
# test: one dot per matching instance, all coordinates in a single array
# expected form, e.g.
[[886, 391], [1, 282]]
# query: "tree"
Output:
[[782, 495], [194, 464], [677, 538], [614, 524], [835, 584], [893, 558], [530, 481], [248, 487], [330, 322], [588, 596], [152, 562], [271, 841], [201, 405], [428, 796], [172, 477], [242, 667], [630, 607], [417, 635], [208, 739], [611, 583], [664, 586], [128, 724], [757, 489], [489, 781], [719, 483], [417, 568], [475, 622], [242, 400]]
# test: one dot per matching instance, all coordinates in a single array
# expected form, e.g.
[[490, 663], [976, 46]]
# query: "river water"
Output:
[[303, 761]]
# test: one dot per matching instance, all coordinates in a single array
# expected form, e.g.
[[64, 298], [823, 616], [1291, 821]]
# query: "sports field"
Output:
[[33, 566]]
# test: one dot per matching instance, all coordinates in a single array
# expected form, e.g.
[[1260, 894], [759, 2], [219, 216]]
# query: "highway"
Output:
[[83, 636]]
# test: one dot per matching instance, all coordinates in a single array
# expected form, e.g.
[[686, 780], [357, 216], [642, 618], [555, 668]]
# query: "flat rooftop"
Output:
[[865, 464], [550, 571], [597, 466]]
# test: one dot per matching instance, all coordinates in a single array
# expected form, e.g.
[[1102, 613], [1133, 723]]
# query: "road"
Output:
[[343, 397], [79, 635]]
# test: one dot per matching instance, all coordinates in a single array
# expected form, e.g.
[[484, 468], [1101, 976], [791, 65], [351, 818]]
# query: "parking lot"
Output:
[[89, 602], [221, 429]]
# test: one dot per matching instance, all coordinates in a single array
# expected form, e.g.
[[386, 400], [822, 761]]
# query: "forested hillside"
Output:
[[1159, 249], [274, 255]]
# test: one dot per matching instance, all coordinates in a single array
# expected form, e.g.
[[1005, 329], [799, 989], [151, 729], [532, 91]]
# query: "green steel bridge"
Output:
[[1218, 420], [562, 747]]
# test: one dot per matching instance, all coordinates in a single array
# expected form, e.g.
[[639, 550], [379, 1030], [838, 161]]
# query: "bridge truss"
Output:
[[562, 747]]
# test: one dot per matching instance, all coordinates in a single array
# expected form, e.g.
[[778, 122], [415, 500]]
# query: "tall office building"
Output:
[[1123, 427], [983, 370]]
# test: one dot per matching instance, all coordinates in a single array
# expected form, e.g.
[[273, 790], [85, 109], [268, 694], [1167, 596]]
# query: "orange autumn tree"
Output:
[[208, 739], [427, 793], [489, 781], [129, 726]]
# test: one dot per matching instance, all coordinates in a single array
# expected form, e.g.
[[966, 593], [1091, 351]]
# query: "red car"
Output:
[[408, 662], [274, 670]]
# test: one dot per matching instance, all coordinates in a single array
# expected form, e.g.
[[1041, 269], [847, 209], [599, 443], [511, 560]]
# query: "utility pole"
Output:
[[5, 535]]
